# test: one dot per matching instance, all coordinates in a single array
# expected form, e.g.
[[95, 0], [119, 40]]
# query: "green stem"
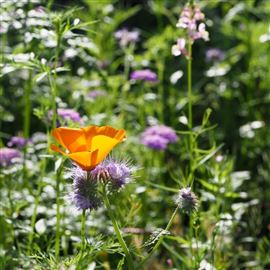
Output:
[[159, 240], [58, 214], [189, 74], [190, 116], [118, 232], [83, 231], [27, 105], [37, 200]]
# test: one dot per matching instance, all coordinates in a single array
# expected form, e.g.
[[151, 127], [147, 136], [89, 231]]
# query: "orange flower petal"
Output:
[[57, 149], [87, 146], [86, 160], [104, 145], [72, 139]]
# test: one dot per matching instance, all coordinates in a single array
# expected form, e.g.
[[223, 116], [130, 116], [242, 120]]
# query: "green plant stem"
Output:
[[118, 232], [189, 79], [83, 231], [27, 106], [190, 116], [58, 214], [159, 240], [37, 200]]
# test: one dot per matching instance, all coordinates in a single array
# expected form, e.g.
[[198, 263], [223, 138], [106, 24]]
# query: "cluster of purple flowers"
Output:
[[113, 174], [17, 141], [144, 75], [126, 37], [8, 156], [158, 137], [67, 115], [191, 20]]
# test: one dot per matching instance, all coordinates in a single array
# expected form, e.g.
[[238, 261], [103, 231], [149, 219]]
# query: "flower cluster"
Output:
[[158, 137], [67, 115], [144, 75], [187, 201], [126, 37], [85, 193], [8, 156], [17, 141], [191, 20]]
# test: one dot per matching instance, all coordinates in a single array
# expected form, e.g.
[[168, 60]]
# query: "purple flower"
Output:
[[155, 142], [84, 191], [17, 141], [144, 75], [96, 93], [67, 115], [7, 156], [215, 55], [126, 37], [158, 137], [116, 173]]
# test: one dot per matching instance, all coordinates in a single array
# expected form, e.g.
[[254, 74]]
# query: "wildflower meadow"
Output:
[[135, 135]]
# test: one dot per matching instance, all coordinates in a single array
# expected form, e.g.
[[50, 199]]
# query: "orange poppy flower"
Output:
[[87, 146]]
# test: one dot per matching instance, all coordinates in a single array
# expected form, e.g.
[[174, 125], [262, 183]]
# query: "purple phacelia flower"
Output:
[[84, 190], [17, 141], [96, 93], [126, 37], [144, 75], [187, 201], [8, 156], [67, 115], [214, 55], [158, 137], [155, 142], [115, 173]]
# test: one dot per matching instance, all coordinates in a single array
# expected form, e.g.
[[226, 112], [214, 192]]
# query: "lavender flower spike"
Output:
[[7, 156], [144, 75]]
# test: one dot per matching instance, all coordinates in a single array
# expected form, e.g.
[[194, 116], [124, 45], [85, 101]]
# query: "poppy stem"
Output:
[[118, 232]]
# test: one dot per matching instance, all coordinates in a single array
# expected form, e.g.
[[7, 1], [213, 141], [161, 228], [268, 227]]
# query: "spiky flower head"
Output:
[[187, 200], [112, 172], [85, 190]]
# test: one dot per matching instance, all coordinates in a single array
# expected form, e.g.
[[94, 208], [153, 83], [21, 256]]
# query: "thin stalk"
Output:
[[189, 79], [37, 200], [27, 106], [118, 232], [159, 240], [83, 236], [58, 214]]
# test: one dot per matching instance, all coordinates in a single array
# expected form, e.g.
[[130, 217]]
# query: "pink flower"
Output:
[[179, 47]]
